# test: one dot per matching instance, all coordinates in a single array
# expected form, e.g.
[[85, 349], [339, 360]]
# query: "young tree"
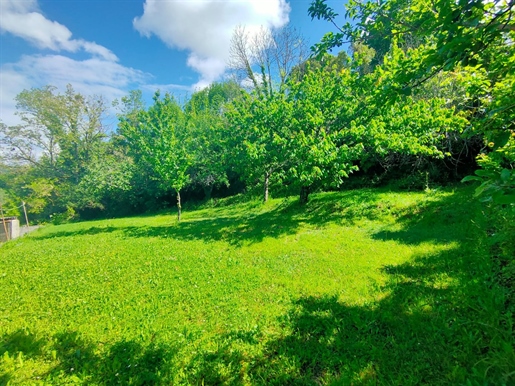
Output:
[[265, 59], [258, 127], [163, 141], [325, 141]]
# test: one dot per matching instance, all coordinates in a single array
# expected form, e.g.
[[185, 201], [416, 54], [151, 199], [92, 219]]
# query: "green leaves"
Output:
[[259, 128], [60, 136], [501, 139], [206, 124], [418, 41], [323, 147], [320, 10], [161, 138], [497, 186]]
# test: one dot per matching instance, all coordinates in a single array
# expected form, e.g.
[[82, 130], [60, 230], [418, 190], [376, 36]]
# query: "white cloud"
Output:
[[101, 74], [205, 27], [23, 19], [210, 68], [11, 83], [170, 87], [94, 76]]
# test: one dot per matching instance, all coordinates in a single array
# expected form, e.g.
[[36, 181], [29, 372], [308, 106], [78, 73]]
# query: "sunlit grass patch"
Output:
[[360, 286]]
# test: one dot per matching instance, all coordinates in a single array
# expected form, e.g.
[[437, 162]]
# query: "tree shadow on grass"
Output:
[[424, 331], [286, 219], [433, 220], [432, 325], [81, 232], [125, 362], [251, 227], [235, 231], [435, 323], [19, 342], [439, 221], [421, 332]]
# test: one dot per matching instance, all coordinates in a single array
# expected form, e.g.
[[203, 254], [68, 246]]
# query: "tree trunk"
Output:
[[304, 194], [179, 206], [267, 182], [207, 192]]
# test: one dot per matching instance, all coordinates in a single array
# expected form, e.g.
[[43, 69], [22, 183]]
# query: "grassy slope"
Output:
[[358, 287]]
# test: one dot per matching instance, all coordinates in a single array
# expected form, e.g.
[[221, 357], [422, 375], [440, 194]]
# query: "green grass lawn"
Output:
[[359, 287]]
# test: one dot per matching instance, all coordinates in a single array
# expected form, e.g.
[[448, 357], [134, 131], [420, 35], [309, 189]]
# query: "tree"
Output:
[[333, 62], [8, 198], [473, 37], [148, 184], [205, 116], [36, 140], [60, 135], [266, 58], [258, 126], [323, 143], [162, 139]]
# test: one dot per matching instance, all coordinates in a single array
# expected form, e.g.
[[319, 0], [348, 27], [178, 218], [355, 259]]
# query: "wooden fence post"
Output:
[[26, 217]]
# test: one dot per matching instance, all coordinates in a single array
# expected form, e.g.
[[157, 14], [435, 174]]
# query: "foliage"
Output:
[[60, 132], [161, 137], [332, 118], [258, 126], [41, 193], [106, 182], [323, 145], [363, 286], [205, 119], [496, 186], [9, 204], [265, 60], [60, 135], [471, 37]]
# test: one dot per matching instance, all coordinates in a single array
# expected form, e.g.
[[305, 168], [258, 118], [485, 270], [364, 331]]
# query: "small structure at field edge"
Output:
[[9, 229]]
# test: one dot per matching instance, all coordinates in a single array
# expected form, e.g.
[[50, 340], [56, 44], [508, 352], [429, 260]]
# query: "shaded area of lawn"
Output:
[[240, 228], [419, 334], [237, 229], [437, 321], [125, 362], [436, 325]]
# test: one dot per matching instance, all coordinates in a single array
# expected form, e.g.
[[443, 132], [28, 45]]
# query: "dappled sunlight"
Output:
[[68, 355], [424, 217], [354, 288], [409, 336]]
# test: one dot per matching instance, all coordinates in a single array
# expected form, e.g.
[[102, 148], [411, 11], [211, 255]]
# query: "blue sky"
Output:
[[108, 47]]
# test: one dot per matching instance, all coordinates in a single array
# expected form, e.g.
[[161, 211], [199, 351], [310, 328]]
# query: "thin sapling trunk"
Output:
[[267, 182], [179, 207]]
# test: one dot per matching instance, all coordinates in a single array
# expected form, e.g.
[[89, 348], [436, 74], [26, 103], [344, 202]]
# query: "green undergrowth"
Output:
[[361, 287]]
